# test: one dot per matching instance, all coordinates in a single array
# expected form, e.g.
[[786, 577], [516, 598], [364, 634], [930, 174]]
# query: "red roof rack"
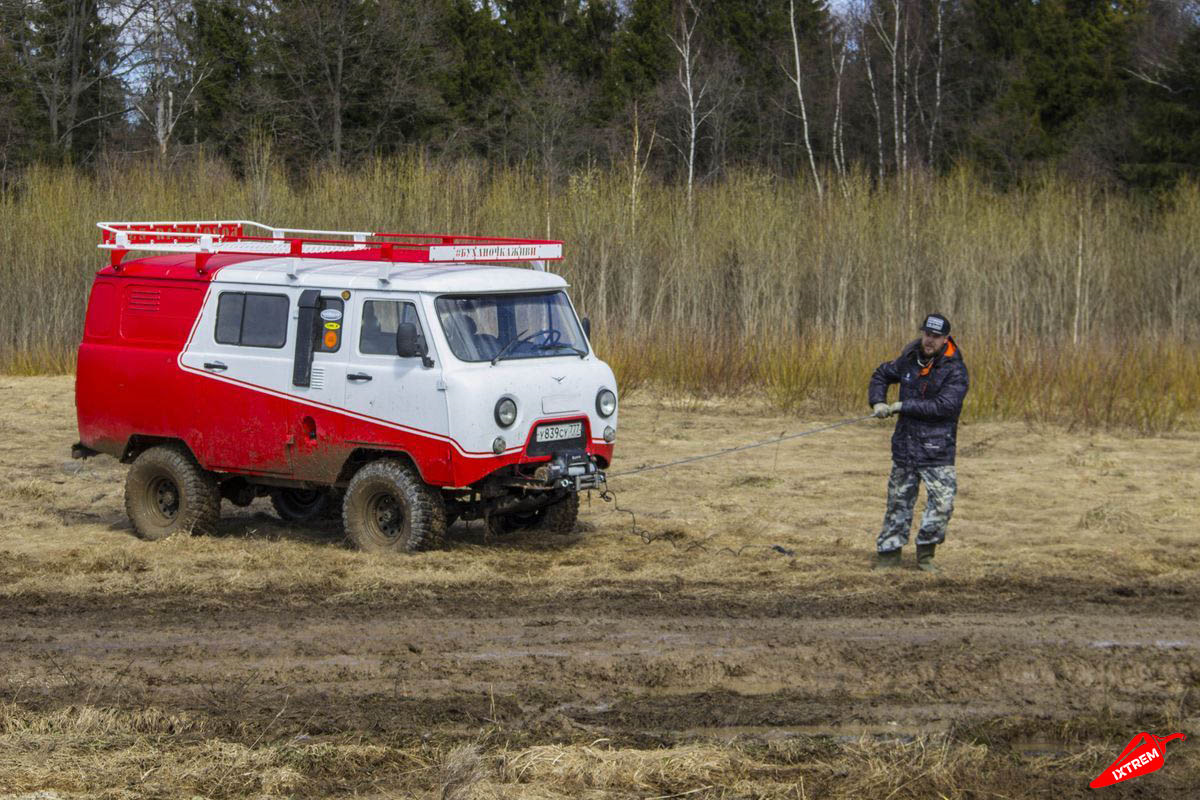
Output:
[[208, 237]]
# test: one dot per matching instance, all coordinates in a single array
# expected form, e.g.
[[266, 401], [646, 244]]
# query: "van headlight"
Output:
[[506, 411], [606, 403]]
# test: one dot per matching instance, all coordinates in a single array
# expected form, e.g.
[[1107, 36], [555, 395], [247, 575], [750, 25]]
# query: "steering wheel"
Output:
[[552, 336]]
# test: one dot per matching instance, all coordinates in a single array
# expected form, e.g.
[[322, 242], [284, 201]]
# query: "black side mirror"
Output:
[[407, 340], [409, 343], [587, 328]]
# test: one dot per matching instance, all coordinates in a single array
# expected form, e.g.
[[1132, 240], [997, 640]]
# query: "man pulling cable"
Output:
[[933, 383]]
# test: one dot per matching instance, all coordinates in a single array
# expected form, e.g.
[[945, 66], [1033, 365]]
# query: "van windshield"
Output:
[[485, 327]]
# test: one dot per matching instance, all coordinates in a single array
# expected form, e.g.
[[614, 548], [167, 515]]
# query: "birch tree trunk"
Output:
[[798, 83], [694, 97]]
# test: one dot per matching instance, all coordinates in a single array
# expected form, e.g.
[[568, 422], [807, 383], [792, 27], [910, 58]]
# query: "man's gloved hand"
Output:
[[882, 410], [895, 407]]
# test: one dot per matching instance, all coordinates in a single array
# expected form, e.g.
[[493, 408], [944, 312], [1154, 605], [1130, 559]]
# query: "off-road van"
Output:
[[414, 380]]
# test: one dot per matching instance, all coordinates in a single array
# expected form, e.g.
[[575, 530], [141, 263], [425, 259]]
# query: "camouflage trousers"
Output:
[[940, 487]]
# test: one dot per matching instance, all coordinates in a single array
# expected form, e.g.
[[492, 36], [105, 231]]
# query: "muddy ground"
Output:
[[725, 639]]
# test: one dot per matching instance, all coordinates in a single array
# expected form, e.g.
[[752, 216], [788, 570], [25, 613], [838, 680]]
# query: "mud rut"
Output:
[[613, 662]]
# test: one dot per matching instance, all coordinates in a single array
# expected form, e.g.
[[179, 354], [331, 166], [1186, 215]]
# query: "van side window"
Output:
[[380, 320], [329, 338], [249, 319]]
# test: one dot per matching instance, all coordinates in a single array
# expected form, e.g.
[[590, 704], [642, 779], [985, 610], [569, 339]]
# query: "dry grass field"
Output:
[[671, 652]]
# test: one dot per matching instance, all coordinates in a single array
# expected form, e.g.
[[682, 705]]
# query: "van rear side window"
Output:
[[252, 320]]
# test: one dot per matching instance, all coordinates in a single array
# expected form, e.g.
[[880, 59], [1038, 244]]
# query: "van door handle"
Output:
[[358, 376], [217, 365]]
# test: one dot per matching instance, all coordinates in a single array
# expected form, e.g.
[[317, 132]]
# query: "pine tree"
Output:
[[225, 44]]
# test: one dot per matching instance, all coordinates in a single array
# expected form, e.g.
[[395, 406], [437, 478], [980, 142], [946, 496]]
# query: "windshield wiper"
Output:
[[513, 342], [563, 345]]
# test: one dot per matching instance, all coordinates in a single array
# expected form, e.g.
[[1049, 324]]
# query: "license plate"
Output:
[[556, 433]]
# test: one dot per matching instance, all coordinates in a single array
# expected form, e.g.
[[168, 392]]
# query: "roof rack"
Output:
[[206, 238]]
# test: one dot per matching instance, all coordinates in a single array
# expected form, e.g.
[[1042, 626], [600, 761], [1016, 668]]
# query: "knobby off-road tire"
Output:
[[559, 518], [302, 505], [166, 492], [389, 507]]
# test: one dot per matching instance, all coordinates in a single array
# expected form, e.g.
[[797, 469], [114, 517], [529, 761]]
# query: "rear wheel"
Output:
[[389, 507], [558, 517], [167, 492], [301, 505]]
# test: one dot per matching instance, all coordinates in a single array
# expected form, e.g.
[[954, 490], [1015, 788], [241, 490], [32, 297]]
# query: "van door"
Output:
[[240, 348], [387, 388], [315, 435]]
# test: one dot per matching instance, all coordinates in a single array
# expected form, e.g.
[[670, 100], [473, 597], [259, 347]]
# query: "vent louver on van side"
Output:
[[143, 300], [317, 379]]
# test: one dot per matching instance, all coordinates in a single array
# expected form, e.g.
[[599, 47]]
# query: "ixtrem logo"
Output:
[[1144, 754]]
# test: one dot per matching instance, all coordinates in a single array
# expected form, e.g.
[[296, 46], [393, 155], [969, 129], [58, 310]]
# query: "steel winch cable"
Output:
[[740, 448], [647, 537]]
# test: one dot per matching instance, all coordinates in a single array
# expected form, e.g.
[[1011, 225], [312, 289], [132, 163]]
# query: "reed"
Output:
[[1073, 304], [1147, 387]]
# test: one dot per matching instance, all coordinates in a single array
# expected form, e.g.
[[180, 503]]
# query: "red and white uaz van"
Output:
[[414, 379]]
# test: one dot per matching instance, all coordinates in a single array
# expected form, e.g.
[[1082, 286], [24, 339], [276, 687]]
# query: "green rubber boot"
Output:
[[925, 558], [888, 560]]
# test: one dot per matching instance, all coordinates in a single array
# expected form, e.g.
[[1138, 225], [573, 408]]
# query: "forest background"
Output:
[[754, 193]]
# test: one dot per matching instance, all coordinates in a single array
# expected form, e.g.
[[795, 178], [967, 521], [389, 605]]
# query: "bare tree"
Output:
[[168, 71], [940, 45], [797, 81], [839, 44], [894, 34], [637, 168], [857, 19], [1157, 48], [547, 126], [69, 47], [336, 57], [695, 98]]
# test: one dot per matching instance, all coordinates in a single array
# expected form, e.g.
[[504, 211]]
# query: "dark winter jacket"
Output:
[[927, 431]]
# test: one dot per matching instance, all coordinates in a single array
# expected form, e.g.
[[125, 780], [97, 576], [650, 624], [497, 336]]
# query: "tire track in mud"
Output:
[[636, 673], [908, 596]]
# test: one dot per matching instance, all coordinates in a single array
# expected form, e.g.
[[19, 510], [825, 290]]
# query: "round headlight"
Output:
[[506, 412], [498, 445], [606, 403]]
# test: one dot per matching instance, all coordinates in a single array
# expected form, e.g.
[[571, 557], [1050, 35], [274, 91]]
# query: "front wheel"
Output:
[[558, 517], [388, 507], [167, 492]]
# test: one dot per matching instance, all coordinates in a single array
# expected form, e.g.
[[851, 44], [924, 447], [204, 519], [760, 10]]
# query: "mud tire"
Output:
[[558, 518], [302, 505], [167, 492], [389, 508]]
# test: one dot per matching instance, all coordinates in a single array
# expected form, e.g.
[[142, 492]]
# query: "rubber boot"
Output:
[[888, 560], [925, 558]]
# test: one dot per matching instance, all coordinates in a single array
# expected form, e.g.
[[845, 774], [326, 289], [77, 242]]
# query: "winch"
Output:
[[570, 469]]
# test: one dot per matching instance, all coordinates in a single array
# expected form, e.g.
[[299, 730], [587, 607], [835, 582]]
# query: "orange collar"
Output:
[[950, 351]]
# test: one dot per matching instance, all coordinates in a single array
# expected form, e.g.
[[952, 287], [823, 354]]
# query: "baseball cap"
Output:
[[936, 324]]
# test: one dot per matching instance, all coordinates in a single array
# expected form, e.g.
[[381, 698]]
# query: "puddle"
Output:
[[1161, 644]]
